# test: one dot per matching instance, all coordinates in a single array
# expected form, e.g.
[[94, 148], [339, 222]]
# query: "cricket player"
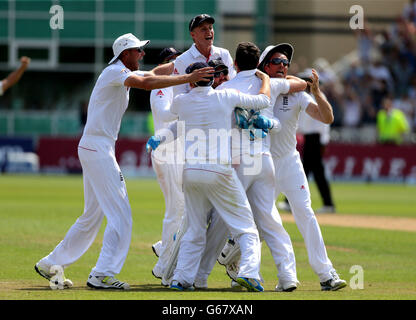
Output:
[[105, 192], [210, 181], [168, 168], [201, 29], [202, 50], [290, 177], [15, 76], [259, 184]]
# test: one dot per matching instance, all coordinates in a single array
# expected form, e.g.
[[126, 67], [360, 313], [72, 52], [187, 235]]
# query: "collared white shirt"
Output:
[[108, 102], [192, 55], [287, 109], [247, 82], [207, 116]]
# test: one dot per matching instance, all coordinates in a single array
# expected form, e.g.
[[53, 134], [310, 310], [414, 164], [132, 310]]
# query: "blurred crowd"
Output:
[[384, 66]]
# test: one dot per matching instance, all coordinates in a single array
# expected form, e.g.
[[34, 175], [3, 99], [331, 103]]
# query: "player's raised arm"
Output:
[[15, 76], [296, 84], [322, 111], [157, 82]]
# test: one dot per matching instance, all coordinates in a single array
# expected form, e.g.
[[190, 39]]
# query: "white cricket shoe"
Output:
[[44, 271], [156, 248], [106, 282], [286, 286], [334, 283]]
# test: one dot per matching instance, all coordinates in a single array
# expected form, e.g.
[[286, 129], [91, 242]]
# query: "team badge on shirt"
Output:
[[285, 104], [160, 93]]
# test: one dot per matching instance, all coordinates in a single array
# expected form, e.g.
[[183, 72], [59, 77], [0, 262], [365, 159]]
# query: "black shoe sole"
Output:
[[290, 289], [103, 288], [333, 289]]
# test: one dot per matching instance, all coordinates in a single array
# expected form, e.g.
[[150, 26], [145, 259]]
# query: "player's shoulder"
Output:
[[185, 56]]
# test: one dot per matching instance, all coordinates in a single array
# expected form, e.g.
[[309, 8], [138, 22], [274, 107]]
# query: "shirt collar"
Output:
[[246, 73], [195, 52]]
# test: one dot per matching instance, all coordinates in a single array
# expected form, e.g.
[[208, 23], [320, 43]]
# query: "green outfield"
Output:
[[36, 212]]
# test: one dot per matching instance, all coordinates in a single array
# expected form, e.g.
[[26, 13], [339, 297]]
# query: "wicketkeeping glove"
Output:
[[261, 122], [152, 143], [242, 117]]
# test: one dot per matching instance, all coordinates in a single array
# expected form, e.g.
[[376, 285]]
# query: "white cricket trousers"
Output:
[[292, 182], [169, 176], [259, 186], [216, 186], [105, 194]]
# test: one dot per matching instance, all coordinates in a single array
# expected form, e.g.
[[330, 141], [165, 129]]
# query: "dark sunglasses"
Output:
[[138, 49], [277, 61], [223, 72]]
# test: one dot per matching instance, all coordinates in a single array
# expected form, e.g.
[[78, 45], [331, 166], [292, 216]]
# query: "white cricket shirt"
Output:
[[108, 102], [287, 109], [247, 82], [160, 102], [192, 55], [207, 116]]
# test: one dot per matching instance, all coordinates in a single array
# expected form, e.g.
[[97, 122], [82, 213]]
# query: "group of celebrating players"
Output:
[[219, 198]]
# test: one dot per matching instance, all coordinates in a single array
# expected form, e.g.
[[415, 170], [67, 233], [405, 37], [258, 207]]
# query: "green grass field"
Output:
[[36, 212]]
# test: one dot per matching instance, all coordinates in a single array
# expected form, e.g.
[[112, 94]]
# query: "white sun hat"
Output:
[[126, 41]]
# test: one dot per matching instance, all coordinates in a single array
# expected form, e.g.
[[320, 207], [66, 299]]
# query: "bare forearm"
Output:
[[13, 77], [155, 82], [164, 69], [265, 87], [324, 107], [296, 84]]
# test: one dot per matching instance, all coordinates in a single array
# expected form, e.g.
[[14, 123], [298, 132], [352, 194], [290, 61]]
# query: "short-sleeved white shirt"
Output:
[[247, 82], [108, 101], [206, 113], [287, 109], [192, 55]]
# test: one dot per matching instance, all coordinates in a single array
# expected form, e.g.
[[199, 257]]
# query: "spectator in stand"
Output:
[[351, 108], [409, 11], [402, 72], [364, 44], [369, 112], [391, 124]]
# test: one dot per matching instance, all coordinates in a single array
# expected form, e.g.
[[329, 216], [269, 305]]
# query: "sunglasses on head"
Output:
[[277, 61], [223, 72]]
